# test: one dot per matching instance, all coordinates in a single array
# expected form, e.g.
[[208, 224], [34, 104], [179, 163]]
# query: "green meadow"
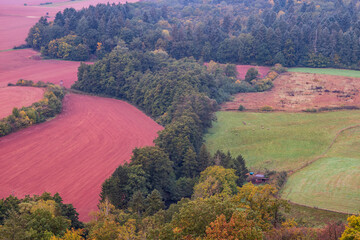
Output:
[[332, 182], [277, 141], [329, 71]]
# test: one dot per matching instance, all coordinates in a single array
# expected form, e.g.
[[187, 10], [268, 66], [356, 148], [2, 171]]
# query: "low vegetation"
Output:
[[332, 181], [277, 141], [38, 112], [328, 71]]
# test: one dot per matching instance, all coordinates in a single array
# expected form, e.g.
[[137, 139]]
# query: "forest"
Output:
[[292, 33], [152, 55]]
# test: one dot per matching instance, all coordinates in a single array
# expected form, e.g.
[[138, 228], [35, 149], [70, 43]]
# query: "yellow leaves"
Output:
[[289, 223], [71, 235], [49, 205], [352, 230], [216, 180], [98, 46], [280, 13], [165, 34]]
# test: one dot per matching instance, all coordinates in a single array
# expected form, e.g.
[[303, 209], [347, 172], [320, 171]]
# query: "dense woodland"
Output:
[[293, 33], [152, 54]]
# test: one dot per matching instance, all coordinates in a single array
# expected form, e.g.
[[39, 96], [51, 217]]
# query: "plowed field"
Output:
[[11, 97], [74, 153], [26, 64]]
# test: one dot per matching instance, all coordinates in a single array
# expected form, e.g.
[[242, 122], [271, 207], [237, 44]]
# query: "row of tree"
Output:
[[293, 33], [38, 112]]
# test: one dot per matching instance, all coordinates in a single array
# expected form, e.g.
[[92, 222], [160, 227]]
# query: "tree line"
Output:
[[47, 107], [293, 33]]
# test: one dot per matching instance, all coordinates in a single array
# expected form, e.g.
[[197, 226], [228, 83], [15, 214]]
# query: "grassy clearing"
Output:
[[332, 182], [278, 141], [311, 217], [329, 71]]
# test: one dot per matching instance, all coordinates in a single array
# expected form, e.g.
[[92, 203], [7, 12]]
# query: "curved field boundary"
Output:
[[330, 181], [75, 152], [326, 150], [11, 97]]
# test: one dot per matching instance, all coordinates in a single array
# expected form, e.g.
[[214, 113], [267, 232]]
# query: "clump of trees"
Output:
[[38, 112], [37, 217]]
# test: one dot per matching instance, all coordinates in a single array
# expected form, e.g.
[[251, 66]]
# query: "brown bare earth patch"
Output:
[[242, 70], [75, 152], [11, 97], [301, 91]]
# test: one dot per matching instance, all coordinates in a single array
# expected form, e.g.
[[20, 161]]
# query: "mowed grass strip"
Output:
[[328, 71], [277, 141], [332, 182]]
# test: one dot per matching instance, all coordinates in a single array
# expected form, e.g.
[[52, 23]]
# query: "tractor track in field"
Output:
[[326, 150]]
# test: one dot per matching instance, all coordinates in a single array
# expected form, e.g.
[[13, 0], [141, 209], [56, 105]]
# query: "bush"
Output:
[[310, 110], [266, 109], [241, 108], [279, 68]]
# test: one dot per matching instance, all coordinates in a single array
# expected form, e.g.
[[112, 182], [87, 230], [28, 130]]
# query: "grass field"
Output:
[[279, 141], [312, 217], [332, 182], [329, 71]]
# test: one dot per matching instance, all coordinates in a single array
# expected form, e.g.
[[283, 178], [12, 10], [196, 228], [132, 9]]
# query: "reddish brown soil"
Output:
[[74, 153], [11, 97], [25, 64], [242, 70], [300, 91]]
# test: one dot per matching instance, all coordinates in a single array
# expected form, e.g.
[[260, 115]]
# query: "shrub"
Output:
[[266, 109], [241, 108], [279, 68]]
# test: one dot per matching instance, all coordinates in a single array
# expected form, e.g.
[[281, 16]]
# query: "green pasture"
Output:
[[329, 71], [277, 141], [332, 182]]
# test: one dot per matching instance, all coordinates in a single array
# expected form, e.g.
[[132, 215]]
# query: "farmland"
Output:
[[11, 97], [328, 71], [331, 182], [35, 69], [74, 153], [278, 141], [300, 91]]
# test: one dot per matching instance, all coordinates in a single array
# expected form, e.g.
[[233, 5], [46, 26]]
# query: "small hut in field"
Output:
[[258, 178]]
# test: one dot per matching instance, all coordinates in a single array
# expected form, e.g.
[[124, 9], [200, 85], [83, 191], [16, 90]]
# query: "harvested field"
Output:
[[278, 141], [75, 152], [11, 97], [301, 91], [331, 182], [27, 64], [242, 70]]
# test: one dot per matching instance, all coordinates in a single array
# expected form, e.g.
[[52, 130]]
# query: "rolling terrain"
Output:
[[277, 141], [74, 153], [332, 182], [11, 97]]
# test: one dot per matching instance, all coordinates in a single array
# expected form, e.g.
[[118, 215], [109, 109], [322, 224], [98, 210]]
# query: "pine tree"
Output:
[[190, 165], [137, 203], [154, 203]]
